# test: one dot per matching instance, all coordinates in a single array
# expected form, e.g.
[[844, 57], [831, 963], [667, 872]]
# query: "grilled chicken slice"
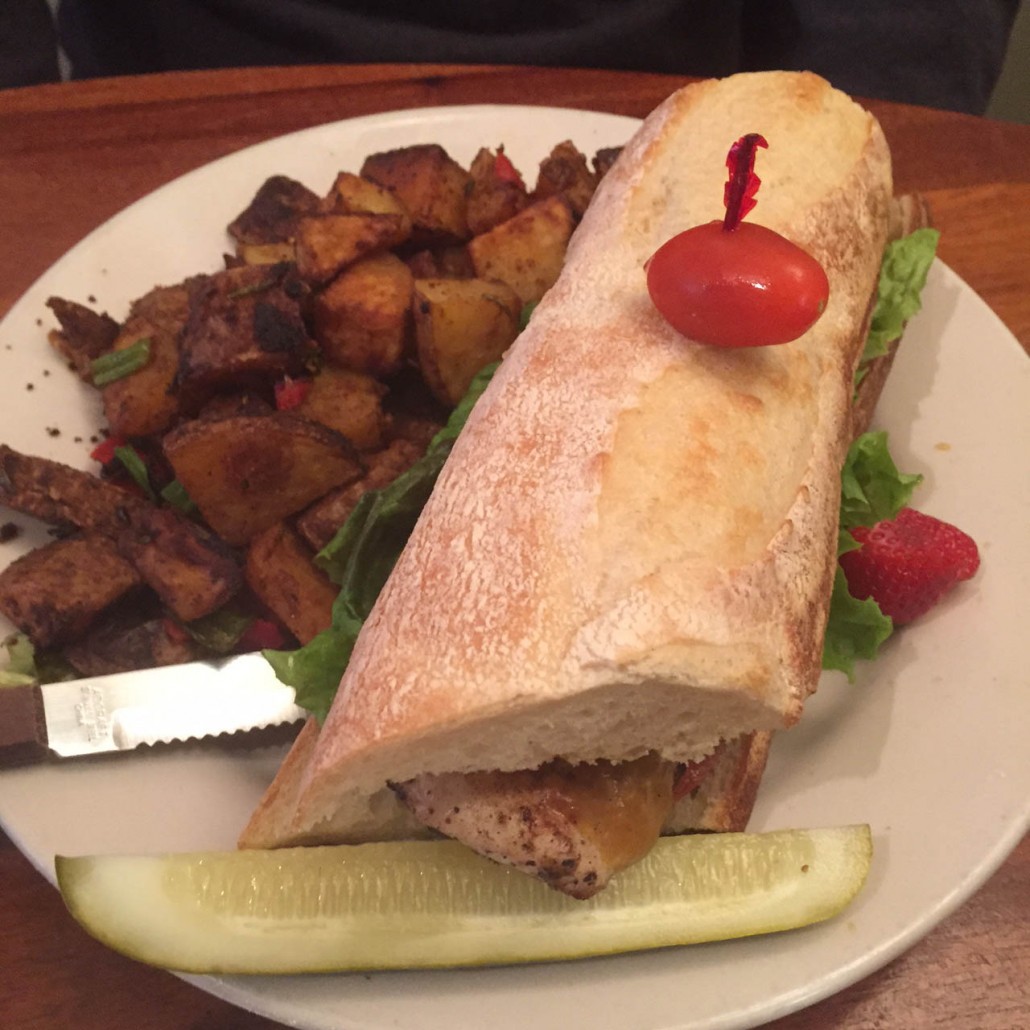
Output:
[[573, 826]]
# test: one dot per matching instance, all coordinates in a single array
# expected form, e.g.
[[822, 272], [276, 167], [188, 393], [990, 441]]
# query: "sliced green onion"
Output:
[[118, 364], [175, 495], [136, 467]]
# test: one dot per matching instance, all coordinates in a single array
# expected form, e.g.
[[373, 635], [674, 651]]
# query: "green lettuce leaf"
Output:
[[361, 557], [21, 662], [906, 263], [855, 629], [872, 489]]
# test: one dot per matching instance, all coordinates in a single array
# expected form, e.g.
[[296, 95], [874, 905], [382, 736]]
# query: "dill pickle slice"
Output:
[[428, 904]]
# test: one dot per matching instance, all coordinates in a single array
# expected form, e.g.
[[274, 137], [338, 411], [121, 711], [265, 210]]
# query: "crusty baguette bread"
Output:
[[631, 545], [725, 799]]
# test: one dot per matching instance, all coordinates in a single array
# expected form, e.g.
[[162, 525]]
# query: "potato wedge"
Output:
[[63, 496], [146, 401], [349, 402], [493, 197], [266, 253], [271, 217], [431, 186], [326, 244], [246, 473], [527, 251], [244, 331], [565, 172], [362, 319], [85, 334], [351, 194], [460, 326], [54, 593], [280, 571], [190, 569], [319, 524]]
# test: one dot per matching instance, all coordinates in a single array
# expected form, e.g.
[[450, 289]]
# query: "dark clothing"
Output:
[[941, 53], [28, 44]]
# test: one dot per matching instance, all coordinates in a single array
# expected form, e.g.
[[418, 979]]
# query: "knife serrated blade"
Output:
[[120, 712]]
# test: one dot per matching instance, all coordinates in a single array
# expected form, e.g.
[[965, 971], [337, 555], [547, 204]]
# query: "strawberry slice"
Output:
[[908, 563]]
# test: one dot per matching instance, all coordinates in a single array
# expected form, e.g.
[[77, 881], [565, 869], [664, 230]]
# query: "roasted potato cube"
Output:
[[349, 402], [145, 402], [328, 243], [353, 195], [190, 569], [119, 641], [84, 334], [442, 263], [281, 573], [266, 253], [319, 524], [497, 191], [564, 172], [362, 319], [460, 326], [431, 186], [244, 331], [54, 593], [527, 251], [271, 217], [604, 159], [246, 473], [63, 496]]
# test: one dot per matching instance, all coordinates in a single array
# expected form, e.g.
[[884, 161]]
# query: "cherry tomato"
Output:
[[746, 287]]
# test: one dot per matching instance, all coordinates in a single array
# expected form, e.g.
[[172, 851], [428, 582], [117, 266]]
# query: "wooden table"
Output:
[[72, 155]]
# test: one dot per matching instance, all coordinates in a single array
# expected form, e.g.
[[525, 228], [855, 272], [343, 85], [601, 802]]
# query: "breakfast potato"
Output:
[[145, 401], [349, 402], [63, 496], [280, 572], [496, 191], [604, 159], [362, 319], [431, 186], [353, 195], [119, 641], [320, 523], [246, 473], [328, 243], [271, 217], [244, 330], [441, 263], [266, 253], [526, 251], [564, 172], [54, 593], [84, 334], [191, 570], [460, 326]]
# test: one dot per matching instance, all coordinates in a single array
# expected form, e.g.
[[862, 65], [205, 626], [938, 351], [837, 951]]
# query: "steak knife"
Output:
[[121, 712]]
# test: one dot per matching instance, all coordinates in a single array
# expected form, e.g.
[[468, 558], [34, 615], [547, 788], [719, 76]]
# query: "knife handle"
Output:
[[23, 736]]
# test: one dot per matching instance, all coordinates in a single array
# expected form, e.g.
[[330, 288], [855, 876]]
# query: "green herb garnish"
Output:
[[174, 494], [136, 467], [118, 364]]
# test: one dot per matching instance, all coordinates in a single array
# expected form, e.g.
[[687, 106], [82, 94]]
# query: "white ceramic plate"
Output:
[[928, 746]]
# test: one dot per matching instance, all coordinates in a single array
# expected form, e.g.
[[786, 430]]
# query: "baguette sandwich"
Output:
[[619, 587]]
